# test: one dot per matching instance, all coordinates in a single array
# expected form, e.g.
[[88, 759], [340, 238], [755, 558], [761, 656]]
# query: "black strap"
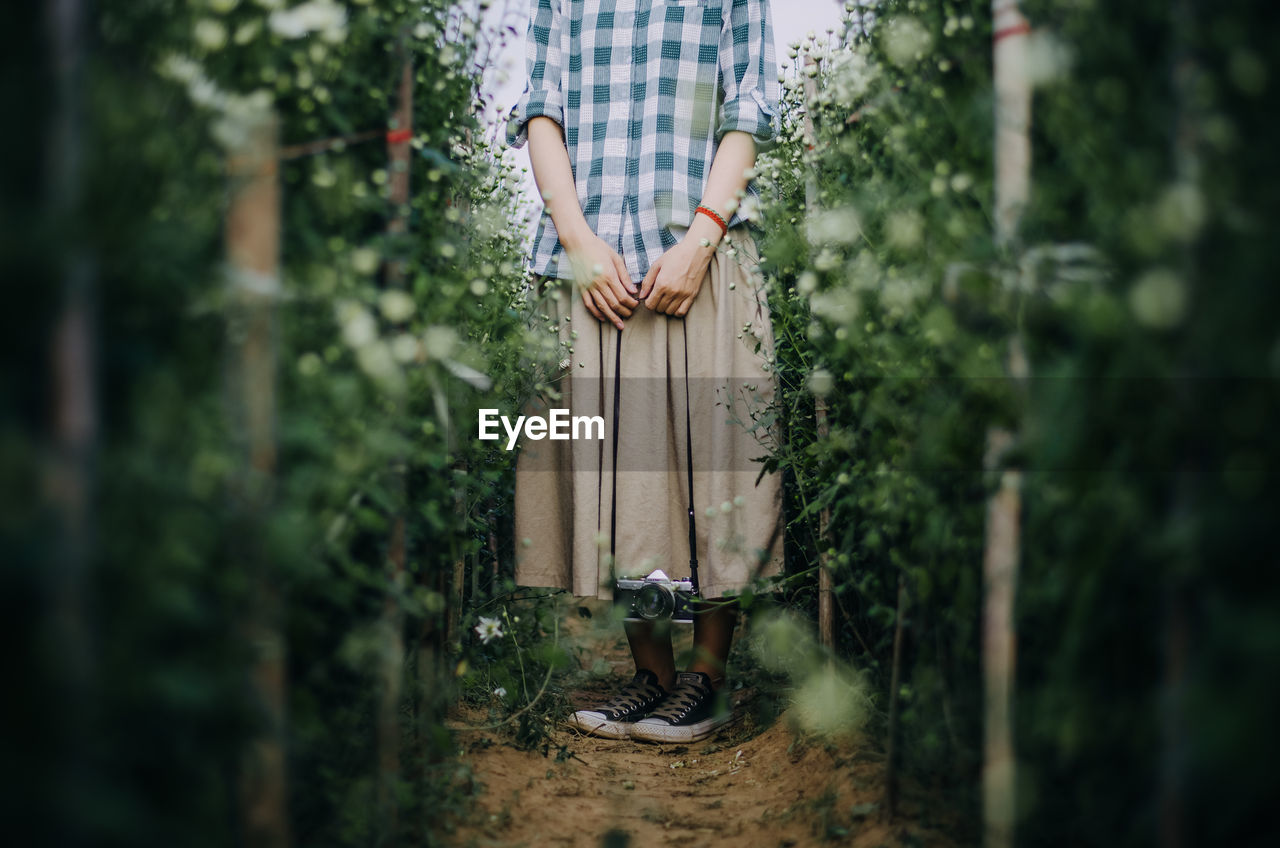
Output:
[[617, 410], [688, 434], [688, 456]]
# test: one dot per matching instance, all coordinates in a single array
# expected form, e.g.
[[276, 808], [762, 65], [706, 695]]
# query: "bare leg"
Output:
[[651, 648], [712, 637]]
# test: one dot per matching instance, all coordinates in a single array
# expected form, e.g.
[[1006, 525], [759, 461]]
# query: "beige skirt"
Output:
[[590, 509]]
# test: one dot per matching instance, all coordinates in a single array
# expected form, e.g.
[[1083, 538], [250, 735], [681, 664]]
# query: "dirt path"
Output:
[[753, 784]]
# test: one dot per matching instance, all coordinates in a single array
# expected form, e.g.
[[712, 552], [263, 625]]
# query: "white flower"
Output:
[[906, 40], [241, 116], [839, 306], [900, 294], [904, 229], [852, 76], [834, 226], [440, 342], [1048, 58], [247, 32], [358, 326], [489, 629], [322, 16], [832, 701], [210, 34], [821, 382], [1159, 299], [405, 347], [365, 260], [1180, 212], [396, 305], [376, 360], [501, 692]]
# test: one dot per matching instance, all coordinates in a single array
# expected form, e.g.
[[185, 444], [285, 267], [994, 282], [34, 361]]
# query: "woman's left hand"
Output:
[[676, 277]]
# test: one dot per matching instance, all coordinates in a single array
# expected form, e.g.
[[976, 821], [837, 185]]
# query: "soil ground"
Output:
[[755, 783]]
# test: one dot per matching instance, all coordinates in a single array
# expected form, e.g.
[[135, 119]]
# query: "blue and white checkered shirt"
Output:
[[644, 90]]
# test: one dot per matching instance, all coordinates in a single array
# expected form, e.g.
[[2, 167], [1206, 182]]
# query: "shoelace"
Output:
[[683, 698], [632, 696]]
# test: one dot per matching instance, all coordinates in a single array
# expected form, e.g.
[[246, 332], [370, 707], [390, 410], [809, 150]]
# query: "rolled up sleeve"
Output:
[[749, 73], [542, 95]]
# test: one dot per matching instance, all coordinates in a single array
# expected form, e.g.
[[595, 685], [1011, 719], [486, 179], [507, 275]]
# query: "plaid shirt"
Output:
[[644, 90]]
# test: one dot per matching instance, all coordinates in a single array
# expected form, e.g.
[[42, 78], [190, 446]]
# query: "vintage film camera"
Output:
[[656, 598]]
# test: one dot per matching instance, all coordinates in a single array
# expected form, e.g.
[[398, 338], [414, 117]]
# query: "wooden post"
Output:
[[253, 256], [895, 684], [1012, 121], [1000, 571], [399, 151], [1012, 117], [69, 475], [826, 611], [457, 577], [1177, 617]]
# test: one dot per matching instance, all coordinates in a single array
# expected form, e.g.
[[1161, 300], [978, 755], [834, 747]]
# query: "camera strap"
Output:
[[688, 455], [617, 410]]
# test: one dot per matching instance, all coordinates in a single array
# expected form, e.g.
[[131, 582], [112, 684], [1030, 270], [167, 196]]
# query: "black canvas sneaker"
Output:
[[615, 719], [691, 712]]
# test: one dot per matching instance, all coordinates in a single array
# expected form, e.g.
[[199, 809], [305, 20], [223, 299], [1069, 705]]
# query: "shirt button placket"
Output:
[[635, 114]]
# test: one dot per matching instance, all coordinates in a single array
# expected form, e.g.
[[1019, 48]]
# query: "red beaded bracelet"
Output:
[[713, 215]]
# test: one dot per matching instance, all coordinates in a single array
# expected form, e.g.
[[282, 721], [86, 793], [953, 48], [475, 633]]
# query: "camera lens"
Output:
[[654, 601]]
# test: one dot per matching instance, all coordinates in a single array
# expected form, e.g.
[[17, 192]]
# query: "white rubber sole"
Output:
[[595, 724], [658, 731]]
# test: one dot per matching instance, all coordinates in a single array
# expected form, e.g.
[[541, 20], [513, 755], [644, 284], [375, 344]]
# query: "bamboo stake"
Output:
[[1012, 117], [1177, 618], [253, 254], [1000, 559], [826, 610], [398, 152], [457, 581], [895, 684], [70, 474], [1000, 570]]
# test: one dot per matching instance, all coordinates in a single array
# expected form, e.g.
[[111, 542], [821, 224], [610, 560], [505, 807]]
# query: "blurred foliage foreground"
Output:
[[183, 555], [203, 603]]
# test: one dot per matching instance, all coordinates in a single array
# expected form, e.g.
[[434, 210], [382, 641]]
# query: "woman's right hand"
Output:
[[601, 276]]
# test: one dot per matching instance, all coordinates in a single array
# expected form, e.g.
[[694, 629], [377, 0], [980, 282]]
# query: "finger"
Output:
[[590, 304], [624, 276], [651, 277], [603, 305], [607, 289], [658, 300], [662, 298], [677, 300], [624, 296], [683, 308], [620, 298]]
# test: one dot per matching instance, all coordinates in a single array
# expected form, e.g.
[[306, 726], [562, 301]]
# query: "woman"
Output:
[[643, 120]]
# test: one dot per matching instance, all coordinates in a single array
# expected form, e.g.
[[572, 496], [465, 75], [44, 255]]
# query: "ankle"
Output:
[[666, 677], [717, 678]]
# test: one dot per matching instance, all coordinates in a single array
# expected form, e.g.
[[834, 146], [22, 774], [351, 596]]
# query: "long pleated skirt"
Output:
[[661, 402]]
